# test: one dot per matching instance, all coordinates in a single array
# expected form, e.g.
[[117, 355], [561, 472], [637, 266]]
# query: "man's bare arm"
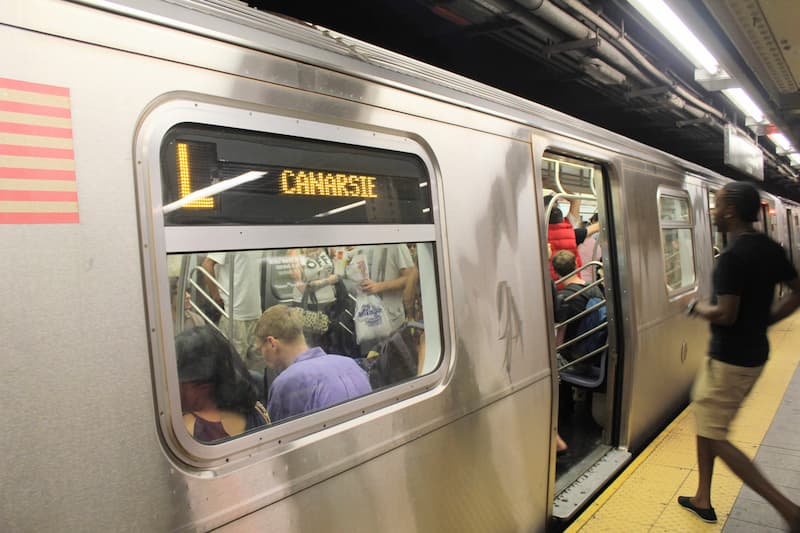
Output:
[[724, 313], [786, 305]]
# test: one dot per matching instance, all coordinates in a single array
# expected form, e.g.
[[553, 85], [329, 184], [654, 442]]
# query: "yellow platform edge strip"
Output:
[[587, 514], [782, 364]]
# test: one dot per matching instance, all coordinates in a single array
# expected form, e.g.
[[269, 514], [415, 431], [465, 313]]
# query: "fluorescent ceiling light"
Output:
[[668, 23], [212, 190], [794, 158], [780, 141], [340, 209], [744, 103]]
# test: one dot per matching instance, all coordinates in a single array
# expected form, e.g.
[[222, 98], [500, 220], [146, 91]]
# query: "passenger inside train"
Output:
[[243, 291], [322, 295], [589, 250], [372, 302], [567, 232], [218, 398], [574, 298], [362, 303], [190, 317], [308, 378], [386, 279]]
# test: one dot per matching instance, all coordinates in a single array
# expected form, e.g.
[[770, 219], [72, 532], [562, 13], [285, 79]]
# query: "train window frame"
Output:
[[159, 241], [667, 225], [771, 217], [711, 196]]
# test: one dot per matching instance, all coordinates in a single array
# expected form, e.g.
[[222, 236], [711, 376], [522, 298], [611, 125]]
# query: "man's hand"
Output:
[[371, 287]]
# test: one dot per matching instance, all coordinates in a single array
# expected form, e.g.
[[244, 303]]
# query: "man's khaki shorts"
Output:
[[718, 393]]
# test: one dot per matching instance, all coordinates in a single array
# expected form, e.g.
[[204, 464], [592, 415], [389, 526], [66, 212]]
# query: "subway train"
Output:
[[143, 138]]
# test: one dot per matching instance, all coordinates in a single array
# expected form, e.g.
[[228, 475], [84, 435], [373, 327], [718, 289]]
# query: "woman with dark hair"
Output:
[[218, 398]]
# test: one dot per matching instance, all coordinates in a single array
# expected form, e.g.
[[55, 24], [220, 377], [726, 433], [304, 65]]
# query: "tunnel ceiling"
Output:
[[532, 49]]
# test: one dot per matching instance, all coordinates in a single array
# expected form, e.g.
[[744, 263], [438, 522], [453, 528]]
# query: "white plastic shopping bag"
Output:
[[371, 320]]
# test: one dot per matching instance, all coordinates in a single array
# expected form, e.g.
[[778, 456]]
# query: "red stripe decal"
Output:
[[34, 109], [38, 196], [36, 151], [39, 218], [41, 88], [36, 174], [30, 129]]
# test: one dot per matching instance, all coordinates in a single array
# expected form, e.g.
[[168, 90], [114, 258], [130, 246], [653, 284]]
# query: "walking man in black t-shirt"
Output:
[[740, 310]]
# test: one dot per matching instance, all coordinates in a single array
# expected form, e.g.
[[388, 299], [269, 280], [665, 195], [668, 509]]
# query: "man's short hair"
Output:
[[745, 200], [282, 322], [564, 262]]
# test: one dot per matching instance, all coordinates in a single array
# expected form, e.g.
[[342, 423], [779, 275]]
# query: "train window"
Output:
[[676, 240], [773, 220], [363, 307], [761, 224], [718, 238], [302, 272], [674, 209]]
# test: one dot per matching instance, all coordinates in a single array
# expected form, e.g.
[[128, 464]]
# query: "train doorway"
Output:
[[581, 274]]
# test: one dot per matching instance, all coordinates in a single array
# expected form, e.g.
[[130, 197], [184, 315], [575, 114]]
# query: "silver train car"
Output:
[[142, 138]]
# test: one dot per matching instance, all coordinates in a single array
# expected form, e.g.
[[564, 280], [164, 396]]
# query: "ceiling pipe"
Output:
[[634, 52], [526, 12], [569, 25], [606, 73], [681, 97], [640, 58]]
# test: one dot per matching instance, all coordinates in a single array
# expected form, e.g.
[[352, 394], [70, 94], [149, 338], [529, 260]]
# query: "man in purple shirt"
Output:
[[308, 379]]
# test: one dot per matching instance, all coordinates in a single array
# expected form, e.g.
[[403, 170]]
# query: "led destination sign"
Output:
[[216, 175], [323, 183]]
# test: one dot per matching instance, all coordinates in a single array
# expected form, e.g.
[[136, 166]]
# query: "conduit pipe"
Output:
[[634, 52], [566, 24], [523, 12], [571, 26]]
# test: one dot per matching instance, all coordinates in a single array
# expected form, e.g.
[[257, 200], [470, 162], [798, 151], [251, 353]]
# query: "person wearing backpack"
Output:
[[572, 302]]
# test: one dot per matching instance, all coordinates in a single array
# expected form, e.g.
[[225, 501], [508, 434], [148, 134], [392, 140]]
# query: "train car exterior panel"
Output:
[[467, 447], [669, 348], [493, 377], [611, 206], [490, 482], [168, 490], [82, 413], [202, 50]]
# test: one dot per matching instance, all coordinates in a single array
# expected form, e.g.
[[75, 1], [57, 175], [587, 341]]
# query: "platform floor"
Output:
[[643, 498]]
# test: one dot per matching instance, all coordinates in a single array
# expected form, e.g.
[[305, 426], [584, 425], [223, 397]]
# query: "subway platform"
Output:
[[644, 496]]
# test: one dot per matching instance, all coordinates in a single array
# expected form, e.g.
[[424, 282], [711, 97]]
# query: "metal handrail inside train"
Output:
[[200, 292], [579, 316], [585, 357], [561, 187]]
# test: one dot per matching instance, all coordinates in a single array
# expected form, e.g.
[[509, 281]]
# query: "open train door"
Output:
[[576, 188]]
